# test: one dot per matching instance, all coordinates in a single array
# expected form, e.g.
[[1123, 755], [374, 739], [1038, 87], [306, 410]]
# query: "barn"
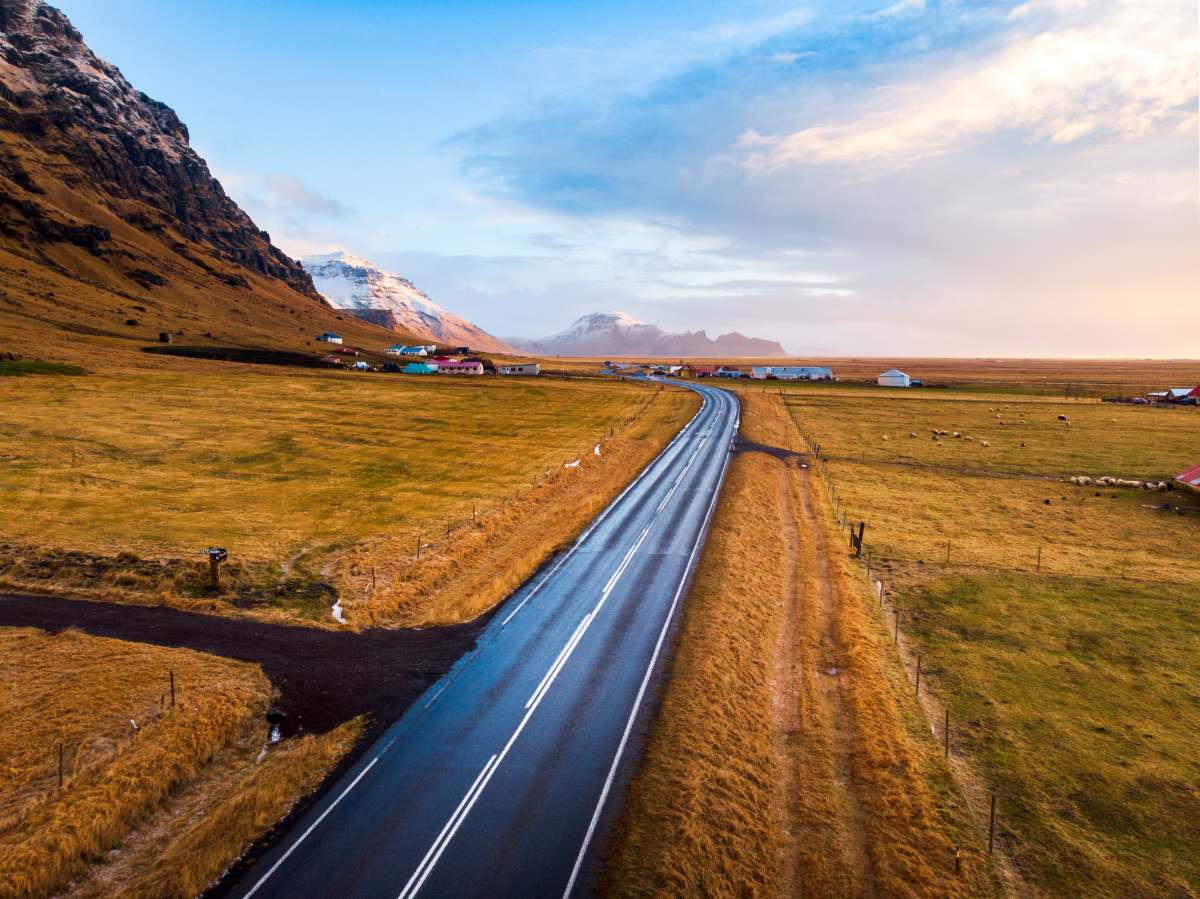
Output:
[[893, 377]]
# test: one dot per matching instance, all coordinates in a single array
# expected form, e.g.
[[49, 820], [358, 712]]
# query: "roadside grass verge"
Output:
[[156, 810], [703, 816], [125, 748]]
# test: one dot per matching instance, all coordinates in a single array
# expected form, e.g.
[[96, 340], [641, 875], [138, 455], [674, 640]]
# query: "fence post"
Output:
[[172, 675], [60, 764], [896, 635], [1039, 561], [918, 691], [862, 526], [946, 734], [418, 547], [947, 552], [991, 824]]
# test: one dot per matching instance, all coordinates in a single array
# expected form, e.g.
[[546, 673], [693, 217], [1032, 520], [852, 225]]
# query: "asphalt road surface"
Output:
[[499, 780]]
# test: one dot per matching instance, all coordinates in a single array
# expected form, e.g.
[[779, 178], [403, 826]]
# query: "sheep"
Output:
[[968, 437], [912, 433], [984, 443], [958, 433], [885, 436], [1062, 418]]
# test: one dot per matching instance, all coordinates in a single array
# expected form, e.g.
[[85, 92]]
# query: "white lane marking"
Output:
[[637, 703], [440, 843], [312, 827], [559, 661], [451, 827], [609, 508]]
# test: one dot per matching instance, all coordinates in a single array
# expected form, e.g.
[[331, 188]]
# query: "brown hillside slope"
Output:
[[112, 228]]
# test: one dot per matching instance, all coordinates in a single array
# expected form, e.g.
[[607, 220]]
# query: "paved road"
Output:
[[498, 781]]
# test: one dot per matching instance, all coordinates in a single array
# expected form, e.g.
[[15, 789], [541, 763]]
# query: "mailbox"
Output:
[[217, 553]]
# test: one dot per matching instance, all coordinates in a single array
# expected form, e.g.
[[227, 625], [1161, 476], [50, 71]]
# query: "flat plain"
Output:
[[1055, 622]]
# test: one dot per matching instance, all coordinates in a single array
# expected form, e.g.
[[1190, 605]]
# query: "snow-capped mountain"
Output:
[[620, 334], [349, 282]]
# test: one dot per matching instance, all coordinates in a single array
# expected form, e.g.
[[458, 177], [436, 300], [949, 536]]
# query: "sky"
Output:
[[902, 178]]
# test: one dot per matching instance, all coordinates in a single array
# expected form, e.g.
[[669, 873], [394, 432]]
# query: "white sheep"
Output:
[[958, 434], [984, 443]]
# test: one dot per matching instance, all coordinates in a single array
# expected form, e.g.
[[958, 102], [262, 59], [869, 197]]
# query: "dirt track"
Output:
[[323, 677]]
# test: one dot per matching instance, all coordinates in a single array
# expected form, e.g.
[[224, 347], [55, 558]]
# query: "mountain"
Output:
[[112, 227], [620, 334], [385, 298]]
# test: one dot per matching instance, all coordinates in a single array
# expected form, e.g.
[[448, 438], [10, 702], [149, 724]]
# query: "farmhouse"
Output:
[[730, 373], [420, 368], [465, 367], [525, 368], [396, 349], [893, 377], [792, 373], [329, 337], [360, 365], [414, 351], [705, 371], [1190, 479]]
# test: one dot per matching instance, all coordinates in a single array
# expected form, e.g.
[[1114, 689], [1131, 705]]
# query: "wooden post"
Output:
[[896, 635], [957, 859], [60, 764], [991, 824], [918, 693], [1039, 561], [472, 514], [868, 566], [946, 734], [214, 573], [172, 676], [947, 552], [372, 576], [418, 547], [862, 526]]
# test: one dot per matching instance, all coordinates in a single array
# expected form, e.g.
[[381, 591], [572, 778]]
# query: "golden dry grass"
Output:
[[198, 835], [287, 469], [180, 797], [87, 693], [1071, 687], [703, 816]]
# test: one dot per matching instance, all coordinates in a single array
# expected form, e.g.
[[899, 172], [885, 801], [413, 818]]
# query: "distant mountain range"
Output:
[[385, 298], [620, 334]]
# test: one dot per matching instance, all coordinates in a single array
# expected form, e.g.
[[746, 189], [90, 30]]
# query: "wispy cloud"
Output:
[[1132, 70], [287, 191]]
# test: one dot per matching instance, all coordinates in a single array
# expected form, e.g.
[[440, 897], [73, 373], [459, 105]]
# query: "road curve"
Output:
[[498, 780]]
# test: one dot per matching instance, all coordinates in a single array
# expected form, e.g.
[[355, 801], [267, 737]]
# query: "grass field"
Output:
[[287, 469], [126, 751], [1073, 685]]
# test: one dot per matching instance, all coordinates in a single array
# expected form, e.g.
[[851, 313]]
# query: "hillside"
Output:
[[620, 334], [387, 299], [112, 228]]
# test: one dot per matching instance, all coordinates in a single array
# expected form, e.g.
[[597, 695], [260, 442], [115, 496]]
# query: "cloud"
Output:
[[1123, 75], [286, 191]]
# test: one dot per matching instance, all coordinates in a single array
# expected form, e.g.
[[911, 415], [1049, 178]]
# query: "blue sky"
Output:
[[985, 178]]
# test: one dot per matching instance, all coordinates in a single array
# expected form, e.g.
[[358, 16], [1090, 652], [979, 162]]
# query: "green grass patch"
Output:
[[1081, 699], [20, 367]]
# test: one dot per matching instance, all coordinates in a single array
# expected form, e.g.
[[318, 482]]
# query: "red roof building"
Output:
[[1190, 479]]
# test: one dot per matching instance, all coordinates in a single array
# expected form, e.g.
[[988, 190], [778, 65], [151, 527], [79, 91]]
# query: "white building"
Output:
[[792, 373], [329, 337], [525, 368], [893, 377]]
